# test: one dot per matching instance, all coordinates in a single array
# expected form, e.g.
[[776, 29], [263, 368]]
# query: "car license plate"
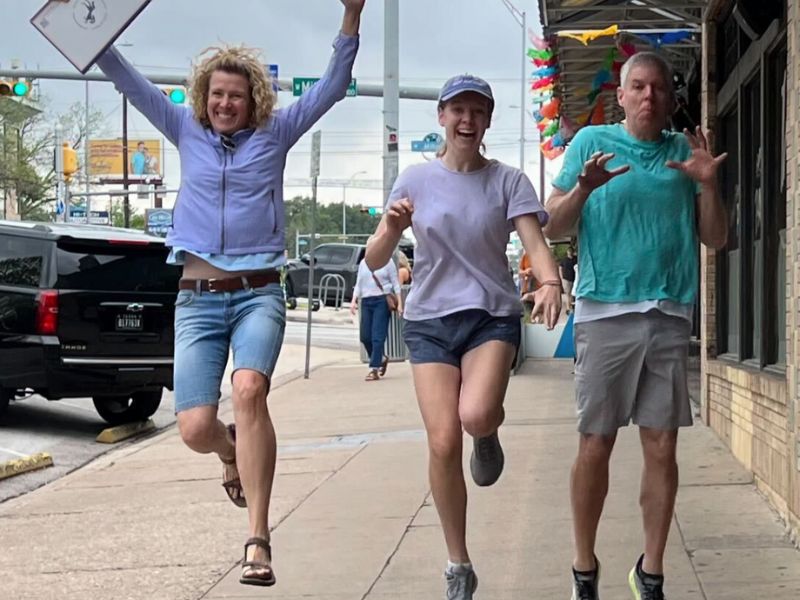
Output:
[[129, 322]]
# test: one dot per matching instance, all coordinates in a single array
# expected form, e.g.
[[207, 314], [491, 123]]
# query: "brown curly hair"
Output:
[[233, 59]]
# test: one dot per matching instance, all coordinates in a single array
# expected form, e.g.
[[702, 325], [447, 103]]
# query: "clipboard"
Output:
[[83, 29]]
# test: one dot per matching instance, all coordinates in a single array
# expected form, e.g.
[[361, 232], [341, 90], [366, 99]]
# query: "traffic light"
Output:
[[15, 87], [372, 210], [70, 161], [177, 95]]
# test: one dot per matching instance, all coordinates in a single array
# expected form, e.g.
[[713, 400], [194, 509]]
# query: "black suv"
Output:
[[86, 311]]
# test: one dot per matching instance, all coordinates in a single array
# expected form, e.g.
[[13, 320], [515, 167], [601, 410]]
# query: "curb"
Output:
[[302, 319], [112, 435], [25, 464]]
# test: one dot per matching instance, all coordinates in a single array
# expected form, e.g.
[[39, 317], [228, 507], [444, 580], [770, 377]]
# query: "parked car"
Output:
[[329, 259], [86, 311]]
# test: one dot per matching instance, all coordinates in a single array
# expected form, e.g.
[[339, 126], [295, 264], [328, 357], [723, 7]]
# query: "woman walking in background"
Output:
[[378, 293]]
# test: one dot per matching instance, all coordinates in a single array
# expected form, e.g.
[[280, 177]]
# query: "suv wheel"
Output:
[[5, 398], [118, 410]]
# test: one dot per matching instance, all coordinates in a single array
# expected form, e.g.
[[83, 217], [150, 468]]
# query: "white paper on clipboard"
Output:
[[82, 29]]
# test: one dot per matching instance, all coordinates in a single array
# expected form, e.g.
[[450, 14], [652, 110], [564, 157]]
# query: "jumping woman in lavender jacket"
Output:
[[228, 234]]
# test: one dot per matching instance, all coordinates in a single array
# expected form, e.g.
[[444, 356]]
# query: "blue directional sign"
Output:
[[430, 143]]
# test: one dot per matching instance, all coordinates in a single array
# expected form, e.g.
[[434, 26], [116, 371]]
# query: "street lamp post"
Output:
[[344, 200], [521, 18]]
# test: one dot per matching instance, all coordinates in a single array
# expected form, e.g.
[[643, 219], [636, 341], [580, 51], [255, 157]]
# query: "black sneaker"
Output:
[[487, 460], [645, 586], [586, 584]]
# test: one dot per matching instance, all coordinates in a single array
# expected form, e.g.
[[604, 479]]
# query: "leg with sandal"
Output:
[[250, 323]]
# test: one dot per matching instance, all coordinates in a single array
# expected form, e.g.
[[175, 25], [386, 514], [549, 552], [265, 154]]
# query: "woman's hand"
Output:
[[354, 5], [546, 305], [398, 216]]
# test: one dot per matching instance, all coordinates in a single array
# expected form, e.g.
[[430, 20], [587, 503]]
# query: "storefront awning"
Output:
[[576, 64]]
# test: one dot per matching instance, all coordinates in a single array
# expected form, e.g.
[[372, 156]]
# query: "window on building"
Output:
[[775, 207], [751, 269], [729, 259]]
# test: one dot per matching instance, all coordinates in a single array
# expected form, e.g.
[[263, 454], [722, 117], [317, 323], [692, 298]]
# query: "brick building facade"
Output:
[[751, 289]]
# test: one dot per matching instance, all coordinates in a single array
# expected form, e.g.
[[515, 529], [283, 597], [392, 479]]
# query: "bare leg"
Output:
[[256, 449], [658, 490], [438, 386], [485, 371], [588, 490], [202, 432]]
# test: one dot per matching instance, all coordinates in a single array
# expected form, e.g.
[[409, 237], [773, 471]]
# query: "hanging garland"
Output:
[[555, 129]]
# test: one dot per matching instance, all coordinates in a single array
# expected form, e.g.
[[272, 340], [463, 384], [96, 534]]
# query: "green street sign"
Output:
[[301, 84]]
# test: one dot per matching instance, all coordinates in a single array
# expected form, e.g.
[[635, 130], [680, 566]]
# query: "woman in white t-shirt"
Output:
[[462, 317], [370, 292]]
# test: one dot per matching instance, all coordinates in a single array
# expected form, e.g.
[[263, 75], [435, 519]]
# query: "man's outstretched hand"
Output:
[[701, 166]]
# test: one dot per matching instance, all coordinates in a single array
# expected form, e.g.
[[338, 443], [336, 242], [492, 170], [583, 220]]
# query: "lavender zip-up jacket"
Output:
[[231, 202]]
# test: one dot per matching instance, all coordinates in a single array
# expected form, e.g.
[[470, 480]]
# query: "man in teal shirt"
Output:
[[641, 197]]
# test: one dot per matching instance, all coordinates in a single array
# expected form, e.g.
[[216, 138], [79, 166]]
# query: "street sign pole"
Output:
[[316, 139]]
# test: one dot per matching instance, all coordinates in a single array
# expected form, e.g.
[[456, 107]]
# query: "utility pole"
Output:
[[126, 201], [521, 18], [86, 151], [62, 204], [391, 94]]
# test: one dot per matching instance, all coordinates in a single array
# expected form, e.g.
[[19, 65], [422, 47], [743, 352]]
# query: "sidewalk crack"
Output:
[[690, 556], [397, 546]]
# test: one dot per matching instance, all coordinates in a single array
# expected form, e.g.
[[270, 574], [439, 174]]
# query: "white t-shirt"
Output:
[[462, 223], [365, 284]]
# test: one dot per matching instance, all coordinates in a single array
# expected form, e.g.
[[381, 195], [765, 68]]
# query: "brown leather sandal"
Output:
[[233, 487], [372, 375], [264, 579], [384, 364]]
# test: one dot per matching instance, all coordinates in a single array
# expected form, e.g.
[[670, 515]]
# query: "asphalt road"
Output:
[[66, 429]]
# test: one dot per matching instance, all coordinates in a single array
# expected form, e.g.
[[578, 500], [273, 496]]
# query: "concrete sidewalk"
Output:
[[353, 518]]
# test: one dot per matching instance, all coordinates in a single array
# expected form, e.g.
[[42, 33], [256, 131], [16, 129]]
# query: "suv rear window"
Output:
[[20, 261], [118, 268]]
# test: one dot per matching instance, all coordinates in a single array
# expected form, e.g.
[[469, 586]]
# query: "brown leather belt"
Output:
[[230, 284]]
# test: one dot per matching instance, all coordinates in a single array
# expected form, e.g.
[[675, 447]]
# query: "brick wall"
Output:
[[758, 414], [793, 250]]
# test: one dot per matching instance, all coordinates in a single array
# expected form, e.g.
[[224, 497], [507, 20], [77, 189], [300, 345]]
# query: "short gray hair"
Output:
[[652, 59]]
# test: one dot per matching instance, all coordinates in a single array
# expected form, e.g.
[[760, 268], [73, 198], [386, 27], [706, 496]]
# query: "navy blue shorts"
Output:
[[447, 339]]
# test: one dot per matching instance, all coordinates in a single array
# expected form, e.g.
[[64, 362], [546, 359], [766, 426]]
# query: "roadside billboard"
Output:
[[144, 158]]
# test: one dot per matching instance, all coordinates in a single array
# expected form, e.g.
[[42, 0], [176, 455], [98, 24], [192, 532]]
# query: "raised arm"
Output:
[[702, 167], [146, 97], [299, 117]]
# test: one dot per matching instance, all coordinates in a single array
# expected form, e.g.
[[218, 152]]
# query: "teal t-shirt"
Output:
[[637, 237]]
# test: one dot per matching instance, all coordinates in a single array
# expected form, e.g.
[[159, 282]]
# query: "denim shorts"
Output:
[[208, 326], [447, 339]]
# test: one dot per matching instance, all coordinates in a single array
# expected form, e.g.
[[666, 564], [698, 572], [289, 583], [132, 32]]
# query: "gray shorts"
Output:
[[632, 368]]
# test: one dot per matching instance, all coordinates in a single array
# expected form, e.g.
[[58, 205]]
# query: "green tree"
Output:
[[118, 216], [27, 146], [328, 221]]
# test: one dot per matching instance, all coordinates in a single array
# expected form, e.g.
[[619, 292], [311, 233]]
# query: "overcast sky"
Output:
[[438, 38]]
